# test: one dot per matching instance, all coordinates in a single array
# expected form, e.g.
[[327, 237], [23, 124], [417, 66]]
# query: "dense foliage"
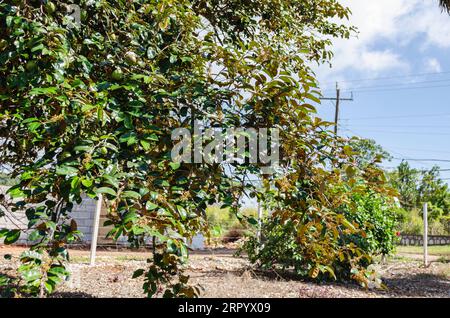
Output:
[[367, 227], [376, 216], [88, 108], [416, 186]]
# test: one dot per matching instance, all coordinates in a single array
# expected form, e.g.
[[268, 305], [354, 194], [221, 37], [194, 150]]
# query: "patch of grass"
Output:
[[132, 258], [110, 258], [79, 259], [432, 250], [443, 259], [403, 259]]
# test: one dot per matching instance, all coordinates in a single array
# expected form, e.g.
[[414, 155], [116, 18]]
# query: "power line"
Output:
[[391, 86], [399, 89], [421, 170], [424, 150], [400, 116], [423, 160], [395, 126], [391, 77], [408, 132], [390, 150]]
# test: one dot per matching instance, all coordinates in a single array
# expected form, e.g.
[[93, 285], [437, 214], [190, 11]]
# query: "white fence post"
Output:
[[95, 227], [259, 221], [425, 234]]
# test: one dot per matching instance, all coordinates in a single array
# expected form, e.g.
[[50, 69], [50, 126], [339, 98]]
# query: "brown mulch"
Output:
[[220, 274]]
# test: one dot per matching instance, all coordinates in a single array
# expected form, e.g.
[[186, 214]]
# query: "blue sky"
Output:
[[397, 38]]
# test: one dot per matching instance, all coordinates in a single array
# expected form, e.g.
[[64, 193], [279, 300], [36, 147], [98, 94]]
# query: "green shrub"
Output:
[[378, 219], [283, 246]]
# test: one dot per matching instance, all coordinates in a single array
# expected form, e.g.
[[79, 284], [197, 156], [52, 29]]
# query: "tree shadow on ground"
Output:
[[419, 285], [406, 285], [71, 295]]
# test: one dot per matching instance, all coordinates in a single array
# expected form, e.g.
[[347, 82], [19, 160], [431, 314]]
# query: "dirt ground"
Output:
[[220, 274]]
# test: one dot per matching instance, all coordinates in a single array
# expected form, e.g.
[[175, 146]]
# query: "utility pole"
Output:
[[337, 99], [336, 113]]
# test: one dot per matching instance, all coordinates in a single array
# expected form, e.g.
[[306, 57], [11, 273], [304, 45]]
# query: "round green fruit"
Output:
[[3, 44], [50, 7], [66, 155], [131, 57], [31, 66], [103, 150], [83, 15], [117, 75]]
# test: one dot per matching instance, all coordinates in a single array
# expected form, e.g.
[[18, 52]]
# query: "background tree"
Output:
[[416, 187], [369, 152]]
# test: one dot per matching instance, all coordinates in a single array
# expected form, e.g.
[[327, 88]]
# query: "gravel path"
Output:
[[222, 275]]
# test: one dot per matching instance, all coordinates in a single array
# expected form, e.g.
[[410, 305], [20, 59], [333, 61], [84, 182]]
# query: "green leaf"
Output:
[[347, 224], [145, 144], [152, 137], [44, 91], [150, 206], [3, 232], [86, 182], [66, 170], [131, 194], [83, 148], [252, 221], [138, 273], [15, 192], [9, 20], [12, 237], [39, 47], [33, 126], [128, 122], [49, 286], [30, 274], [30, 255], [75, 183], [58, 270], [130, 216], [174, 165], [106, 190]]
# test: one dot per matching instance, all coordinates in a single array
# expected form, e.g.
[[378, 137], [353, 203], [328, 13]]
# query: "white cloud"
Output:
[[430, 22], [385, 28], [374, 61], [432, 65]]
